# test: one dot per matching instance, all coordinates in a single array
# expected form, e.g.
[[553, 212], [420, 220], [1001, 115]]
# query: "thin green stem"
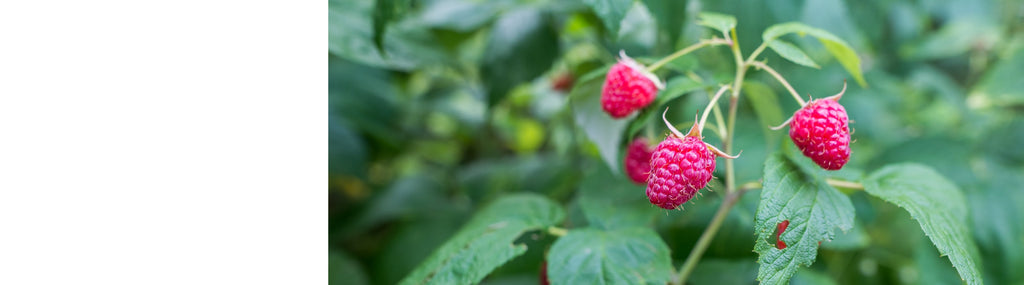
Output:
[[720, 122], [741, 66], [844, 184], [730, 172], [707, 110], [707, 237], [556, 231], [677, 54], [756, 52], [750, 185], [716, 129], [765, 67], [741, 70], [694, 77]]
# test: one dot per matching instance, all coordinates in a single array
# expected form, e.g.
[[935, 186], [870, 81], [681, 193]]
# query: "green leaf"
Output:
[[638, 30], [812, 207], [724, 271], [811, 277], [951, 39], [847, 57], [610, 201], [995, 220], [518, 35], [486, 179], [409, 196], [384, 12], [459, 15], [676, 87], [406, 44], [346, 152], [364, 98], [937, 204], [855, 238], [486, 241], [721, 22], [778, 30], [835, 46], [611, 12], [342, 269], [624, 256], [792, 53], [1001, 85], [670, 16], [953, 164], [684, 64], [766, 106], [604, 131], [412, 240], [931, 268]]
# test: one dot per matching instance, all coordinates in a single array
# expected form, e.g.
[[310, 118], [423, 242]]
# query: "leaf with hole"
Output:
[[813, 208]]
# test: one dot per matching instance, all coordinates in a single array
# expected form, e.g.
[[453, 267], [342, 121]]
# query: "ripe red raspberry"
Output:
[[821, 130], [680, 166], [638, 160], [628, 87]]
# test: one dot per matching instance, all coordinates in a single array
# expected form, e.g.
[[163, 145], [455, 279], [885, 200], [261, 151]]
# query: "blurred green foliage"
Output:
[[440, 108]]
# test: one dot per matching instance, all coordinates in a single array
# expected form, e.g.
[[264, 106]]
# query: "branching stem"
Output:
[[756, 52], [765, 67], [706, 238], [682, 52], [714, 101]]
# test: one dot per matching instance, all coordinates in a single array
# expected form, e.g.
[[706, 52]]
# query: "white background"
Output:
[[163, 142]]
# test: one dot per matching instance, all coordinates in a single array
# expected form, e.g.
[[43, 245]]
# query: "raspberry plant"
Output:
[[621, 196]]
